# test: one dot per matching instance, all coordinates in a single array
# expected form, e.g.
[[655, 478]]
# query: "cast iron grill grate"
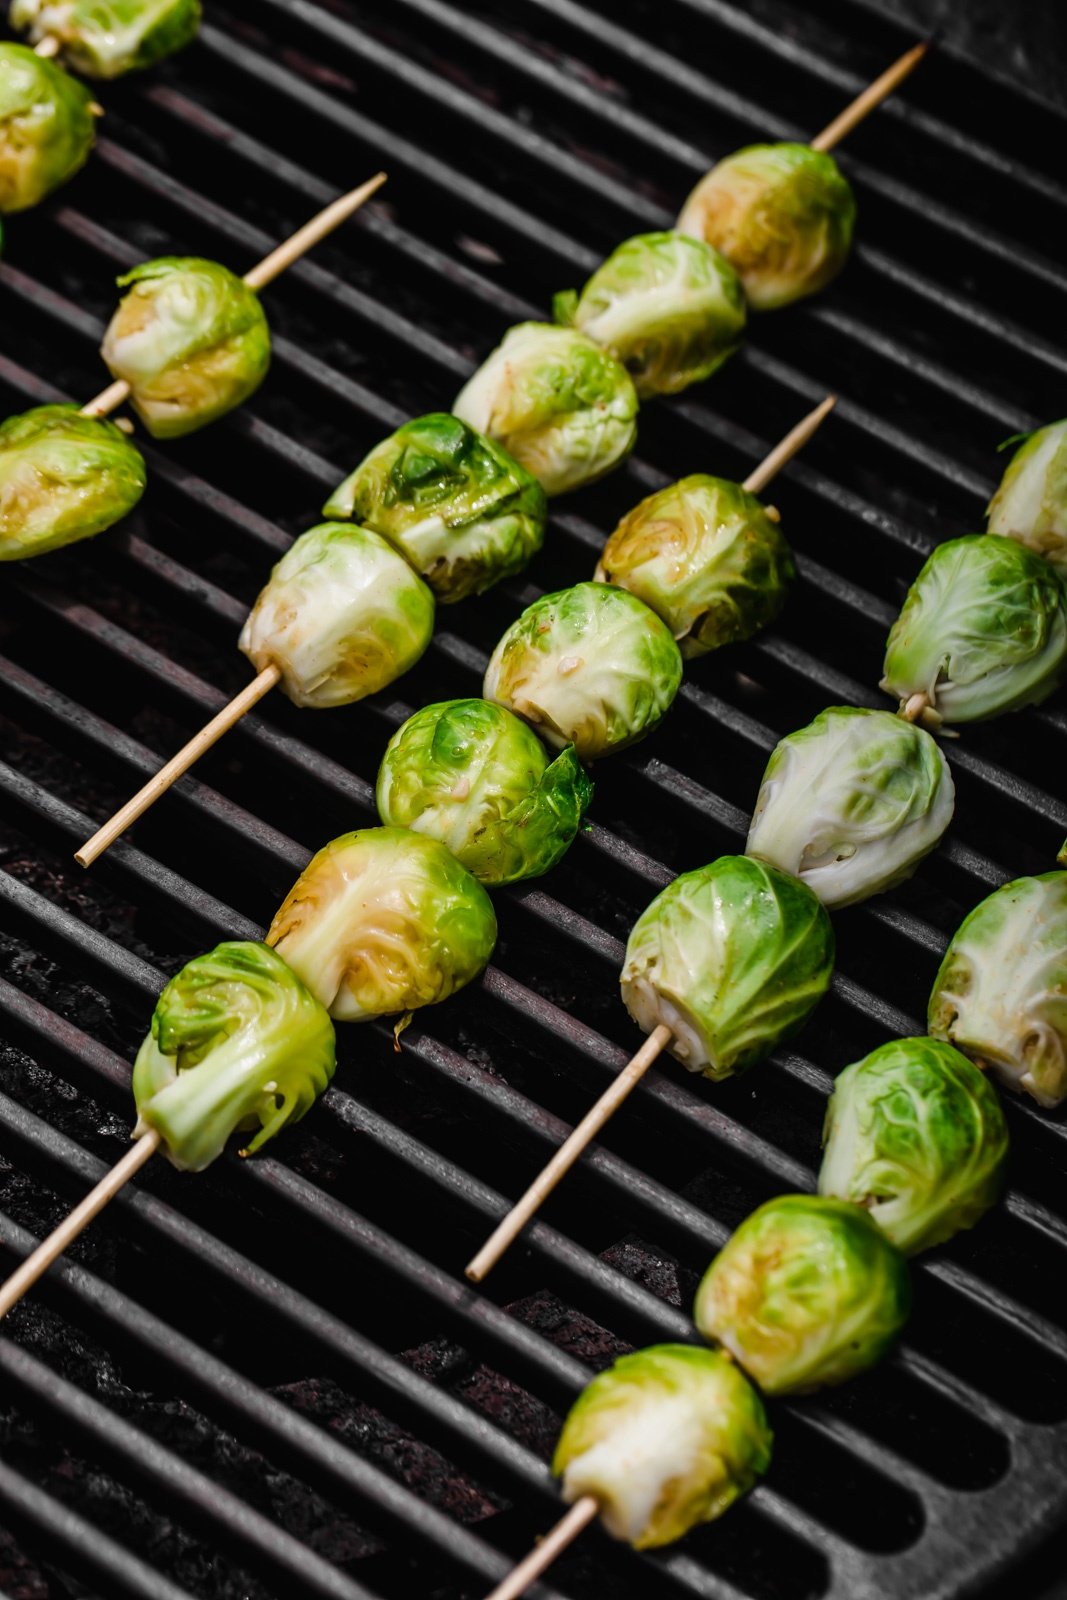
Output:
[[272, 1380]]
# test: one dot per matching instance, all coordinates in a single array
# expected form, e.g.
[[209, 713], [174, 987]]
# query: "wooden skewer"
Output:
[[177, 766], [50, 1249], [872, 96], [787, 448], [547, 1550], [505, 1233], [510, 1226], [269, 268]]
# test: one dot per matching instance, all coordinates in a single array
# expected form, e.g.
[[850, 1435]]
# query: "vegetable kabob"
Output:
[[729, 960], [381, 921], [764, 227], [983, 629], [809, 1291], [188, 342], [47, 118]]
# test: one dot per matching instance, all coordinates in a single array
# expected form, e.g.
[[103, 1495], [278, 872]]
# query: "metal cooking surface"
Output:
[[271, 1380]]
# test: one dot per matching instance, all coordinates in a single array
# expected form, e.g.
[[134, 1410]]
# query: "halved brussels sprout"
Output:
[[590, 666], [47, 127], [472, 775], [384, 920], [669, 307], [191, 340], [983, 630], [851, 803], [463, 512], [708, 559], [1031, 503], [665, 1439], [63, 477], [341, 616], [561, 405], [807, 1292], [104, 38], [782, 215], [733, 958], [1001, 993], [915, 1134], [236, 1040]]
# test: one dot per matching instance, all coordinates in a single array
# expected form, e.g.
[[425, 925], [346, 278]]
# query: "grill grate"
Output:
[[272, 1380]]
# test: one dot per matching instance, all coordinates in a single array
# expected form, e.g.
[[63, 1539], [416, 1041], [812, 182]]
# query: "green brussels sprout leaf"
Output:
[[664, 1440], [1001, 993], [105, 38], [463, 512], [191, 340], [63, 477], [590, 666], [781, 214], [383, 921], [237, 1041], [472, 775], [708, 559], [851, 803], [561, 405], [808, 1291], [915, 1134], [47, 127], [733, 958], [983, 630], [669, 307], [1031, 503], [341, 616]]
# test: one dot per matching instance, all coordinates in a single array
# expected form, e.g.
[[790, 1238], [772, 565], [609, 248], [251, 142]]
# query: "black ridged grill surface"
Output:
[[272, 1380]]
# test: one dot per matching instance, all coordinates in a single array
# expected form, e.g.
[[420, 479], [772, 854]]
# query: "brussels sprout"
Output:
[[1001, 993], [915, 1134], [733, 958], [236, 1040], [563, 407], [983, 630], [472, 775], [191, 341], [708, 559], [782, 215], [851, 803], [341, 616], [46, 127], [384, 920], [462, 511], [1031, 503], [105, 38], [664, 1440], [808, 1291], [669, 307], [63, 477], [590, 666]]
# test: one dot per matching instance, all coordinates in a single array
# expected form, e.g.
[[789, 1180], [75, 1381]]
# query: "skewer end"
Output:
[[363, 191], [83, 858]]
